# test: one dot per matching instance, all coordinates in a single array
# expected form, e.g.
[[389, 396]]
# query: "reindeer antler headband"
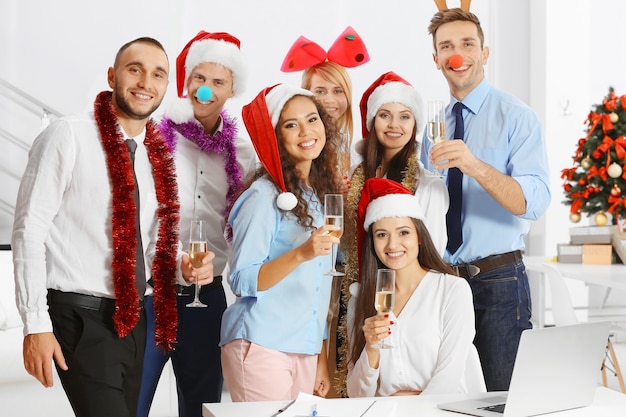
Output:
[[441, 5]]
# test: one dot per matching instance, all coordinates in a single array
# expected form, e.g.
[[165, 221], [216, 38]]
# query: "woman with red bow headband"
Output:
[[325, 76]]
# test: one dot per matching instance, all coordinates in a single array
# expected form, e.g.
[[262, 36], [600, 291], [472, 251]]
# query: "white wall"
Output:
[[59, 50], [545, 52]]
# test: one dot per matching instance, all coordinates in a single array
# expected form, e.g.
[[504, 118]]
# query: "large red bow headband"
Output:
[[348, 50]]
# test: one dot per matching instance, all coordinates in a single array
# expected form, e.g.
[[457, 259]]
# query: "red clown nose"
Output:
[[455, 61]]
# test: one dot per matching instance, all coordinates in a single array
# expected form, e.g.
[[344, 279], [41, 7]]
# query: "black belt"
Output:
[[471, 269], [187, 290], [89, 302]]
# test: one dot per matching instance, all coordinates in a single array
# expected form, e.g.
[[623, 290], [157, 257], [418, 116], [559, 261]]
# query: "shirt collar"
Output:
[[475, 99], [139, 138]]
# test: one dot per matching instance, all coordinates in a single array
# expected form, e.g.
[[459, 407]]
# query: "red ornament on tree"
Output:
[[616, 191]]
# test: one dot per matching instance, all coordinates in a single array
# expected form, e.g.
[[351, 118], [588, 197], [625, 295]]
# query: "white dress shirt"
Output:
[[62, 231], [431, 338], [202, 187]]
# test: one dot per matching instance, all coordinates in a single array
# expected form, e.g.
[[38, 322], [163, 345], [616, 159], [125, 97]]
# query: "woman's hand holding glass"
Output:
[[333, 215], [383, 303], [320, 243]]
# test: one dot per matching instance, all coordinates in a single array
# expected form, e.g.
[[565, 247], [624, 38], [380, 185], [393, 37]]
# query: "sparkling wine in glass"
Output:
[[197, 251], [333, 214], [385, 297], [435, 130]]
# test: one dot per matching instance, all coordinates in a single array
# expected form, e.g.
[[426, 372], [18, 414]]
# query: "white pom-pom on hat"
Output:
[[286, 201]]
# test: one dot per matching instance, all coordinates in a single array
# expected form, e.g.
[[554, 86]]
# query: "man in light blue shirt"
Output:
[[504, 169]]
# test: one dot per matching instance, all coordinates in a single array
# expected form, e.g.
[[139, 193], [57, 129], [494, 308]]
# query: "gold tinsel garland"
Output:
[[349, 247]]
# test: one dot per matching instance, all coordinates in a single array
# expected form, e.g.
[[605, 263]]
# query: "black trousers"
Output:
[[104, 375]]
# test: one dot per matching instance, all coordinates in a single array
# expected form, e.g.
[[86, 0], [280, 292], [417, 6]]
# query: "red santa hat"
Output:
[[389, 88], [382, 198], [260, 118], [218, 47]]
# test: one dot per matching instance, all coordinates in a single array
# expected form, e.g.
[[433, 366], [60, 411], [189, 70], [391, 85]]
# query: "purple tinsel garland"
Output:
[[221, 142]]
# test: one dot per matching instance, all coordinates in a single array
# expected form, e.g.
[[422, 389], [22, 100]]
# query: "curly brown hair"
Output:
[[324, 176]]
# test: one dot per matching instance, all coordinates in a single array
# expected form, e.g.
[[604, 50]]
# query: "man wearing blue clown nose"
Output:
[[212, 161]]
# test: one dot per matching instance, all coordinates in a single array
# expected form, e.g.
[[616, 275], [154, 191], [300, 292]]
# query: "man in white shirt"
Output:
[[212, 160], [82, 235]]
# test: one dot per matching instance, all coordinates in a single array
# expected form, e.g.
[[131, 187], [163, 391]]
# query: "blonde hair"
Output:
[[337, 74]]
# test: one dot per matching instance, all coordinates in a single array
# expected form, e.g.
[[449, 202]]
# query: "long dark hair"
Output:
[[428, 258], [373, 155], [324, 176]]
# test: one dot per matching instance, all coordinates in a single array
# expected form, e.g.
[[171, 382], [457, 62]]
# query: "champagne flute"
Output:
[[385, 297], [197, 251], [436, 125], [333, 214]]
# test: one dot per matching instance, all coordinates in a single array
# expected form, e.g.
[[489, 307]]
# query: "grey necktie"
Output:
[[140, 268]]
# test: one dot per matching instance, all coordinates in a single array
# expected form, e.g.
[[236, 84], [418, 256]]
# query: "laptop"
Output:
[[556, 369]]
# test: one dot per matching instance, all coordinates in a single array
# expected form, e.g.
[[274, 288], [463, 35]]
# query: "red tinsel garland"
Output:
[[123, 226]]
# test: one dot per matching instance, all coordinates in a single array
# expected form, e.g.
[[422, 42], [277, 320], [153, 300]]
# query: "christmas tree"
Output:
[[595, 183]]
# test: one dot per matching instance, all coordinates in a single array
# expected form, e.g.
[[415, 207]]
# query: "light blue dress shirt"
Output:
[[503, 132], [291, 315]]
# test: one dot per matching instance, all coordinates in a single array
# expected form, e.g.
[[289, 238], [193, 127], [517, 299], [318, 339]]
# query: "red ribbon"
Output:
[[348, 50], [576, 206], [580, 148], [618, 144], [568, 173], [595, 118], [615, 202], [610, 102], [594, 170], [581, 194]]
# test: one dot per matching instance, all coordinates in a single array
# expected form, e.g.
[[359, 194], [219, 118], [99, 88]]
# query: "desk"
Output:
[[607, 276], [607, 403]]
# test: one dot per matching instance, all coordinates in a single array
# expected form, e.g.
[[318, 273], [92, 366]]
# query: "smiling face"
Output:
[[394, 125], [460, 37], [139, 81], [302, 131], [220, 80], [396, 242], [330, 95]]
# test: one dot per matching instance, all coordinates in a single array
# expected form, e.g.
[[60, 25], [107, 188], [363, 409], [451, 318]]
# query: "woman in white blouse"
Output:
[[431, 327]]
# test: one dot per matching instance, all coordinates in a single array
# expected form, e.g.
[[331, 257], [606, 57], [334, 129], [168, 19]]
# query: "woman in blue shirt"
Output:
[[273, 335]]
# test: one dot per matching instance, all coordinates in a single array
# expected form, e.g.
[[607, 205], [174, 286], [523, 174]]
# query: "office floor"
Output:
[[14, 402]]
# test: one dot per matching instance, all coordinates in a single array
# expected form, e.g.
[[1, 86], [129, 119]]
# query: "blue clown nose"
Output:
[[204, 94]]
